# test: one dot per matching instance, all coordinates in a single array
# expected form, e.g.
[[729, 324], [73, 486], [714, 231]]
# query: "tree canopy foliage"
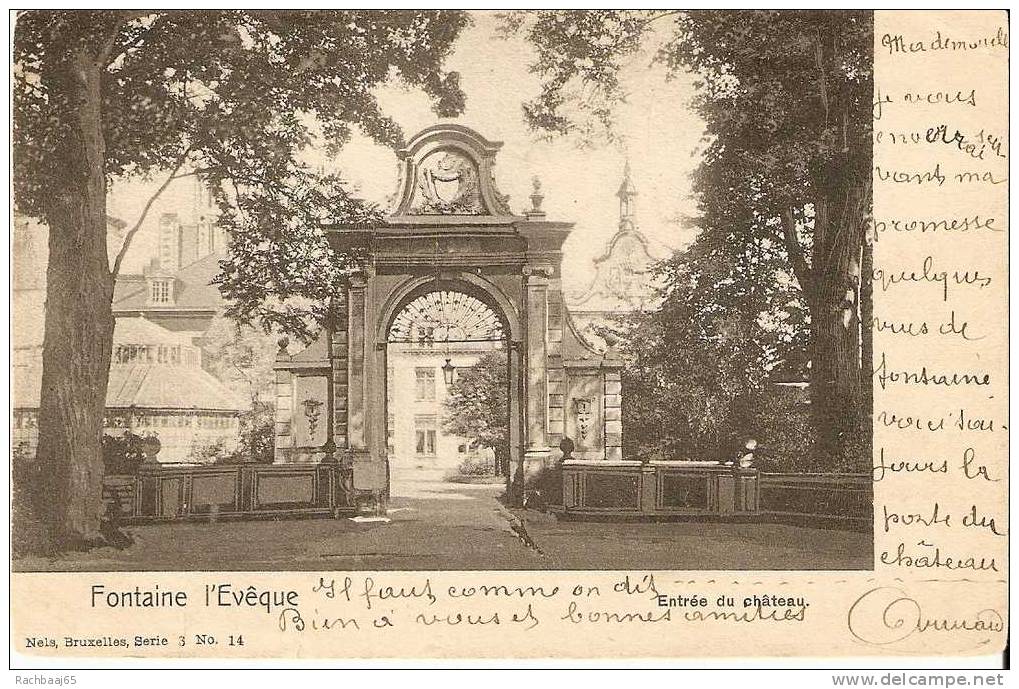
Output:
[[783, 189], [698, 367], [236, 97], [477, 405]]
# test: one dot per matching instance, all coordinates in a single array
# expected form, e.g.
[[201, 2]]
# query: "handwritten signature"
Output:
[[887, 615]]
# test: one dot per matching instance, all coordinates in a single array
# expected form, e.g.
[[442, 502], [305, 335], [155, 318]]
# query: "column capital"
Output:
[[538, 271], [360, 276]]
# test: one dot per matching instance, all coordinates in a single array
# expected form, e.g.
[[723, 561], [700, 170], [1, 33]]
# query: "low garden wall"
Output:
[[845, 498], [598, 487], [168, 493], [587, 489], [692, 489]]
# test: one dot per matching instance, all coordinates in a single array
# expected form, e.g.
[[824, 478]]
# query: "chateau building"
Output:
[[175, 289], [183, 301], [184, 240], [436, 336], [622, 282], [29, 257], [418, 388]]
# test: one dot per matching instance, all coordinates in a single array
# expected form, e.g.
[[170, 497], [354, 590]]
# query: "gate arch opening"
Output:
[[471, 284], [447, 386], [446, 315]]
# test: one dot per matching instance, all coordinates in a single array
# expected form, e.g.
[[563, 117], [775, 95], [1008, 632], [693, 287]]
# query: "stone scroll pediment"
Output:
[[448, 170]]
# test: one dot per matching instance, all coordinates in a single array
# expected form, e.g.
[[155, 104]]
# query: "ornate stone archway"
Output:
[[451, 227], [456, 318]]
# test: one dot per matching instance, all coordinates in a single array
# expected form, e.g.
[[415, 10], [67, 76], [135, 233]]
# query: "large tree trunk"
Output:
[[834, 388], [867, 349], [836, 399], [838, 338], [79, 326]]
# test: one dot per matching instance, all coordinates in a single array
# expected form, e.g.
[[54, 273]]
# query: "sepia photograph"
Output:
[[416, 290]]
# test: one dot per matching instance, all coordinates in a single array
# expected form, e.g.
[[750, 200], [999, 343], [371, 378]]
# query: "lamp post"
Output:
[[448, 371]]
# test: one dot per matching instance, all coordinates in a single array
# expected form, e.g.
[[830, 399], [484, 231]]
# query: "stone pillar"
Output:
[[341, 482], [516, 393], [377, 421], [556, 404], [555, 371], [357, 381], [283, 414], [338, 361], [537, 452], [613, 414]]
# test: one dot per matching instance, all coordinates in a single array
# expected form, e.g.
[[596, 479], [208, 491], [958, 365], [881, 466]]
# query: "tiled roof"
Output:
[[127, 285], [148, 386], [194, 290], [143, 331]]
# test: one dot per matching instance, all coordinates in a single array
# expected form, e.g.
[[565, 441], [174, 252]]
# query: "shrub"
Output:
[[257, 441], [782, 426], [476, 466], [122, 454], [544, 488], [207, 453], [258, 433], [782, 429], [30, 534]]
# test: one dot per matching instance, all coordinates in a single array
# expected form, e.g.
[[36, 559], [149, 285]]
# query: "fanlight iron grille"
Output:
[[446, 316]]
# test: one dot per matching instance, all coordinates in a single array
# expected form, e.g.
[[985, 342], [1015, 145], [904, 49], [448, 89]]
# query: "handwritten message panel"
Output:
[[940, 285], [939, 280], [498, 614]]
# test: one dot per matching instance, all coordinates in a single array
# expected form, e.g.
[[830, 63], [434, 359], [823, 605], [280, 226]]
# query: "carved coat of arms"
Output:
[[448, 185]]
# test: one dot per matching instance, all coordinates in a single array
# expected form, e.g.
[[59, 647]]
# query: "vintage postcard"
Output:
[[538, 334]]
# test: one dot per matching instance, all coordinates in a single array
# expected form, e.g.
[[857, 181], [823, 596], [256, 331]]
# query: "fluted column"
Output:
[[537, 451], [356, 381]]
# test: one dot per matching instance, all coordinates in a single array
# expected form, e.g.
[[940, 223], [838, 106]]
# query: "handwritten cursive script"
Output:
[[886, 615]]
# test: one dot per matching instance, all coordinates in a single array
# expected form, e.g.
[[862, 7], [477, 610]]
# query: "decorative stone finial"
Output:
[[566, 446], [611, 344], [627, 197], [283, 343], [536, 198]]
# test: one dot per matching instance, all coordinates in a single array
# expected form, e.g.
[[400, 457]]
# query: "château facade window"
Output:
[[424, 435], [424, 384], [173, 355], [160, 291]]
